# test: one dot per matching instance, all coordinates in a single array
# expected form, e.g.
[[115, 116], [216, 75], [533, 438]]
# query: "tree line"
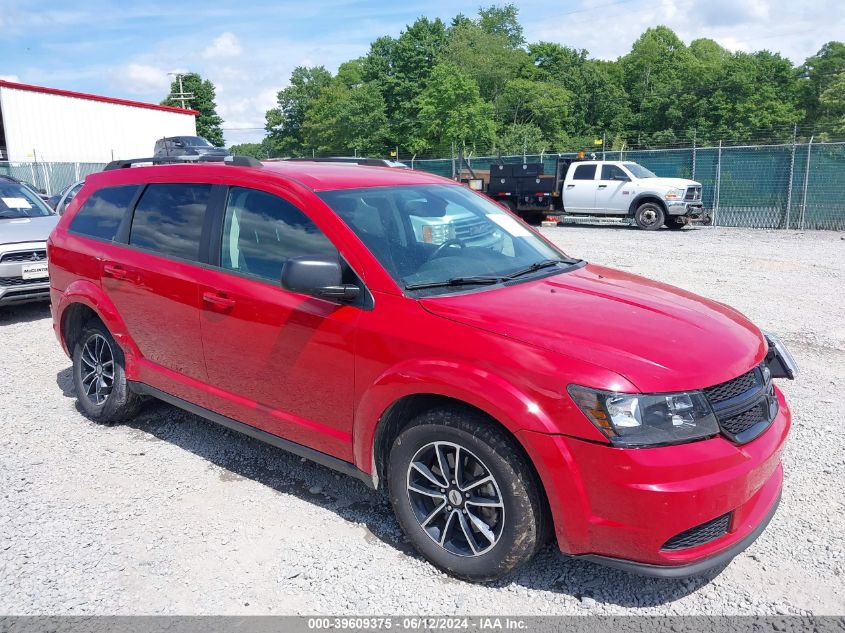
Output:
[[475, 84]]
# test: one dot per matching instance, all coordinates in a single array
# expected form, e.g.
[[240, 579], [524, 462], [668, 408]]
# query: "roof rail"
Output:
[[355, 160], [235, 161]]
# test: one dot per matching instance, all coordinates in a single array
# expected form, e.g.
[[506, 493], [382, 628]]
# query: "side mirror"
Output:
[[318, 276]]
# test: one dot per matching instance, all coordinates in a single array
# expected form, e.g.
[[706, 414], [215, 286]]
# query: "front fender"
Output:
[[476, 386], [91, 295]]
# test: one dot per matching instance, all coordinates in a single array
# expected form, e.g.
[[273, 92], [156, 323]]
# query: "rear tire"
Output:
[[99, 376], [649, 216], [482, 514]]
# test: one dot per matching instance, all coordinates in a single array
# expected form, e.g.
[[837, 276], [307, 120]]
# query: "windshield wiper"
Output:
[[544, 263], [455, 281]]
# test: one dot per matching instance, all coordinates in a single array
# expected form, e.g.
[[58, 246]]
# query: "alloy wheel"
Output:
[[97, 369], [455, 499]]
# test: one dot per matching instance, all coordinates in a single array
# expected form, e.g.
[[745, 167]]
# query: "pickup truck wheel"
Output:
[[102, 391], [464, 495], [649, 216]]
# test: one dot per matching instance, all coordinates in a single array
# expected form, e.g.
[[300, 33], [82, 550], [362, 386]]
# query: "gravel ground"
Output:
[[174, 515]]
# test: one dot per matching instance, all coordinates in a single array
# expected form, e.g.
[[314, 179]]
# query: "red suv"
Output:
[[500, 390]]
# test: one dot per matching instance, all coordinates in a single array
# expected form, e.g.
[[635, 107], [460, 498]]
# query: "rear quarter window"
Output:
[[168, 219], [101, 214]]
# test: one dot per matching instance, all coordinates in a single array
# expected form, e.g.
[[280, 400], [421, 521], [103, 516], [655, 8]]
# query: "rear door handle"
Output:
[[218, 300], [569, 186], [115, 271], [602, 186]]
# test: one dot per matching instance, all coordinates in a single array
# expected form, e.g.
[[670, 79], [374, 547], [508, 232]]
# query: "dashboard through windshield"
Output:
[[433, 238]]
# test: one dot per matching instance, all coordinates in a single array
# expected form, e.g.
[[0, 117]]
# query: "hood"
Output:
[[27, 229], [658, 337], [680, 183]]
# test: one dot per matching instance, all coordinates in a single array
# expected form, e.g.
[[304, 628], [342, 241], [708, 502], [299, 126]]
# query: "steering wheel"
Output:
[[447, 244]]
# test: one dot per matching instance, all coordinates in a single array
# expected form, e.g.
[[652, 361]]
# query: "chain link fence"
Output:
[[788, 186], [49, 178], [800, 186]]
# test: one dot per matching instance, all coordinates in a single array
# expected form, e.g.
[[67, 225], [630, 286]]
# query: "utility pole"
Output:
[[791, 174], [181, 96]]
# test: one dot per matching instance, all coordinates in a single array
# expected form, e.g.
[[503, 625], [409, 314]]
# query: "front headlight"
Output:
[[675, 194], [636, 420]]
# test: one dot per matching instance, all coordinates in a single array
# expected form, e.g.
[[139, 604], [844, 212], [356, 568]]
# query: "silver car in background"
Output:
[[25, 224]]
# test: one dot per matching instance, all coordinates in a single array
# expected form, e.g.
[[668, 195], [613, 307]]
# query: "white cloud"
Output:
[[227, 45], [12, 78], [142, 79], [791, 28]]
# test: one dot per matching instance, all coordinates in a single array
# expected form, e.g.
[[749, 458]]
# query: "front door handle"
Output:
[[115, 271], [602, 186], [569, 186], [218, 300]]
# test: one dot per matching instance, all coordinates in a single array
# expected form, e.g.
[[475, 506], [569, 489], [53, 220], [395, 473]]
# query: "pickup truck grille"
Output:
[[693, 194], [744, 406], [472, 228], [24, 256]]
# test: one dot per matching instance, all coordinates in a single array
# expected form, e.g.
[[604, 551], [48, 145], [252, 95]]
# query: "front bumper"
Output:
[[686, 209], [24, 293], [621, 506]]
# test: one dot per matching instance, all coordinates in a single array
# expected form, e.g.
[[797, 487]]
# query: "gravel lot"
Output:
[[174, 515]]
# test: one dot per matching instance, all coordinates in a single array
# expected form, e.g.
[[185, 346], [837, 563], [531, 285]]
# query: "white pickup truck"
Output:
[[620, 189]]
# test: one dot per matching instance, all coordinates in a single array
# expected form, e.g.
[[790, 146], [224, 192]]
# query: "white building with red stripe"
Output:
[[50, 125]]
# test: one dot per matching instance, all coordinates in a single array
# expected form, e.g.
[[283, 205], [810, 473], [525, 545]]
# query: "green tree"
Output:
[[344, 119], [654, 74], [521, 138], [820, 71], [502, 21], [451, 110], [541, 104], [208, 121], [400, 68], [284, 122], [486, 57], [832, 104]]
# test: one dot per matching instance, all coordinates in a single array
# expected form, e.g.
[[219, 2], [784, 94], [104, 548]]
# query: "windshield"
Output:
[[19, 201], [195, 141], [639, 171], [431, 238]]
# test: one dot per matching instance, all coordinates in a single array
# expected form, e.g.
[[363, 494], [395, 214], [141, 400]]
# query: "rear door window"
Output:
[[169, 219], [584, 172], [102, 213]]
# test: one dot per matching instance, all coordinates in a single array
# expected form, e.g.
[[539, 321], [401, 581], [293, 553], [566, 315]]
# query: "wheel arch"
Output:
[[403, 411], [644, 198], [82, 301]]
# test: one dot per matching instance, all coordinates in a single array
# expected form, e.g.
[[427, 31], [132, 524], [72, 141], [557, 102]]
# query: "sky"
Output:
[[248, 49]]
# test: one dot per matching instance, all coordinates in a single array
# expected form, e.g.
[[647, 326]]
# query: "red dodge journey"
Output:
[[398, 327]]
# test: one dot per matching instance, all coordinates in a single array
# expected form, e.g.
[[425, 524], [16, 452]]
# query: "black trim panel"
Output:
[[268, 438], [685, 571]]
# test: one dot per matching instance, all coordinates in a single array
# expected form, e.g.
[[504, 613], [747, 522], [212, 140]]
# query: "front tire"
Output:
[[649, 216], [100, 378], [464, 494]]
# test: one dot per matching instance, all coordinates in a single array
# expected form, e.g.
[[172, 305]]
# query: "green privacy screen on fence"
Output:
[[760, 186]]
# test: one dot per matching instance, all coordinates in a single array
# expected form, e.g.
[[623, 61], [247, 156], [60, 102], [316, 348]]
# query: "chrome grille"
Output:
[[23, 256], [472, 228], [693, 194]]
